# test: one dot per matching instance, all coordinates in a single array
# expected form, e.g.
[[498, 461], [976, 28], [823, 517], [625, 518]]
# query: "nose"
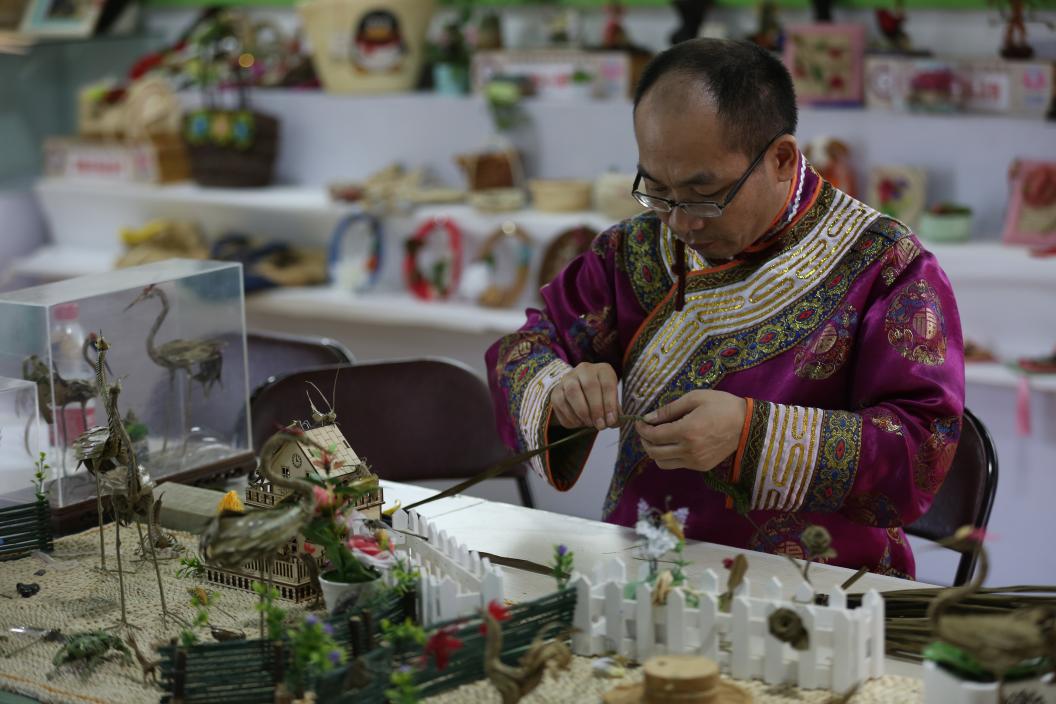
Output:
[[683, 224]]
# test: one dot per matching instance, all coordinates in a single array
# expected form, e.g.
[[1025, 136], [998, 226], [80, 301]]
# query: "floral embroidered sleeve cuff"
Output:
[[793, 458], [561, 466]]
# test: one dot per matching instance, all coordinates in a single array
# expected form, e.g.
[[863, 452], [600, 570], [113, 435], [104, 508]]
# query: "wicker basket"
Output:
[[228, 162], [560, 196], [367, 46]]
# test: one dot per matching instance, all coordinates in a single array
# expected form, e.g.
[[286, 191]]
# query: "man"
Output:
[[809, 362]]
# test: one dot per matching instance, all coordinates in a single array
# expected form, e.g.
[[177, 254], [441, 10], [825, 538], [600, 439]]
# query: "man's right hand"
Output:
[[586, 397]]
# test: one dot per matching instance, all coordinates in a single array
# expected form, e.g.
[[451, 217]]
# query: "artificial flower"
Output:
[[370, 553], [498, 612], [324, 498], [440, 646]]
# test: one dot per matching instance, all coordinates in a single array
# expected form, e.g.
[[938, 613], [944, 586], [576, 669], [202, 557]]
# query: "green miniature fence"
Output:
[[466, 664], [25, 528], [235, 672], [247, 672]]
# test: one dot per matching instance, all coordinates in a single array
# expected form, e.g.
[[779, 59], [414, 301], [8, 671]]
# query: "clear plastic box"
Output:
[[21, 439], [177, 345]]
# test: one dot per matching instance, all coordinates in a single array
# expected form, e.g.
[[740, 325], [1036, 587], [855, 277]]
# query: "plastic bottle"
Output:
[[67, 342]]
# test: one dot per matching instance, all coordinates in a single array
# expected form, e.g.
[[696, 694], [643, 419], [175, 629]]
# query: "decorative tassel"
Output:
[[1023, 407], [680, 272]]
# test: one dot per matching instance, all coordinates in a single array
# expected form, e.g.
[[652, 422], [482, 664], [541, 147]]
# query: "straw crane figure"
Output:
[[201, 360]]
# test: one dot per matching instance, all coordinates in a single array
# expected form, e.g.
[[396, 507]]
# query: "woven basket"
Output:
[[560, 196], [232, 166]]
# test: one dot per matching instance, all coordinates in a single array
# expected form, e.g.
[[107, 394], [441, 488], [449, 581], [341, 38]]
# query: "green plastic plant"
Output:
[[191, 567], [563, 564], [273, 615], [137, 429], [403, 689], [40, 474], [313, 652], [201, 600], [405, 578], [402, 635]]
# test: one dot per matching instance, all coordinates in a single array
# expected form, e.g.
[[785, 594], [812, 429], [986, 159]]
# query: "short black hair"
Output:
[[751, 88]]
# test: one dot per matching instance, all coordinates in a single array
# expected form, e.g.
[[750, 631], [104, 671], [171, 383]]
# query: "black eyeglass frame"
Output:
[[663, 205]]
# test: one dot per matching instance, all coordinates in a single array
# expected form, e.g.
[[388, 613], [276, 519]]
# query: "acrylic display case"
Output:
[[176, 340], [21, 439]]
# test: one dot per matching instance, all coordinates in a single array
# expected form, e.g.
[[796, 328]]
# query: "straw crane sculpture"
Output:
[[108, 454], [201, 360]]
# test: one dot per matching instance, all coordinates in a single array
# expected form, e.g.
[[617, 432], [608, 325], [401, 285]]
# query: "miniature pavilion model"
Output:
[[296, 459]]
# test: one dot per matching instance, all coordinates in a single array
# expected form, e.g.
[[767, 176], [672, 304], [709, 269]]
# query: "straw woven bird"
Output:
[[997, 642], [514, 683]]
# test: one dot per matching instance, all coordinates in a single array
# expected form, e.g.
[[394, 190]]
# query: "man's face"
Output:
[[683, 156]]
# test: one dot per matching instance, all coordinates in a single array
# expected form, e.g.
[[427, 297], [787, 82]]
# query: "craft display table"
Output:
[[75, 597]]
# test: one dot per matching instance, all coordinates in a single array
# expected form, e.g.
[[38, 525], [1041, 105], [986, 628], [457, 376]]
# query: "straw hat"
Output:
[[679, 679]]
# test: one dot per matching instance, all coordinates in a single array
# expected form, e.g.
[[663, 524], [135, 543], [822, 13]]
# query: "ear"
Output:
[[784, 155]]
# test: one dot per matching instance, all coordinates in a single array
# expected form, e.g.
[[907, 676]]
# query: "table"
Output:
[[530, 534]]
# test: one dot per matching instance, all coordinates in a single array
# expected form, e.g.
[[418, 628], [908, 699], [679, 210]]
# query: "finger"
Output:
[[577, 401], [663, 453], [591, 386], [666, 434], [672, 411], [609, 382], [559, 404]]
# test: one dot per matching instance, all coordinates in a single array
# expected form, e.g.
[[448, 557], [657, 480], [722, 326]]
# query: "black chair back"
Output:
[[967, 494]]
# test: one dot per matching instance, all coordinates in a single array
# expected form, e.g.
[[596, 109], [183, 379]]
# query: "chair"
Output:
[[269, 355], [413, 420], [966, 496], [272, 354]]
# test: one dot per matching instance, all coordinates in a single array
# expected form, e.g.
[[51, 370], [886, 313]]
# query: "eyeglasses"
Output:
[[703, 208]]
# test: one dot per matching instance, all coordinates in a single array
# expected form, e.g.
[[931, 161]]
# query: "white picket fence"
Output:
[[454, 581], [846, 645]]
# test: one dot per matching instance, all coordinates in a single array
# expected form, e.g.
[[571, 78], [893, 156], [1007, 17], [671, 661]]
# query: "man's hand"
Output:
[[586, 397], [698, 431]]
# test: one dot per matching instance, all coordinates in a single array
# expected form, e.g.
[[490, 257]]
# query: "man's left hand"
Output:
[[698, 431]]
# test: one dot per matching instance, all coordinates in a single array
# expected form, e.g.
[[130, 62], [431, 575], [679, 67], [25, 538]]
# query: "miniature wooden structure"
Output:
[[846, 646], [296, 459]]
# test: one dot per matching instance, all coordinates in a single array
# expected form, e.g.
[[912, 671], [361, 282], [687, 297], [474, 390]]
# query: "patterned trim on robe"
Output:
[[534, 411], [729, 326], [798, 458]]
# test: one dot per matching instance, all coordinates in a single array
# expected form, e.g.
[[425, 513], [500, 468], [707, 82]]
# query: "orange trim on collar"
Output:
[[671, 292]]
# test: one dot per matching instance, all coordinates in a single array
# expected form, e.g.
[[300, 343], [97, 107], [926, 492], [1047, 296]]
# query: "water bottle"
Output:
[[67, 343]]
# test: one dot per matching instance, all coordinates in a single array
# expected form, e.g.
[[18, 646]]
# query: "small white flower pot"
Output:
[[338, 593]]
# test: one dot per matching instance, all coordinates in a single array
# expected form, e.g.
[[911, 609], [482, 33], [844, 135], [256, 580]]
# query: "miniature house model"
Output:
[[287, 571]]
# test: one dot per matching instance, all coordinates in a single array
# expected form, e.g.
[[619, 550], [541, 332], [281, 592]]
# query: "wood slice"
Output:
[[691, 678], [679, 679]]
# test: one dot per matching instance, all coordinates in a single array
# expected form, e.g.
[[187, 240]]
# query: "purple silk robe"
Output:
[[840, 329]]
